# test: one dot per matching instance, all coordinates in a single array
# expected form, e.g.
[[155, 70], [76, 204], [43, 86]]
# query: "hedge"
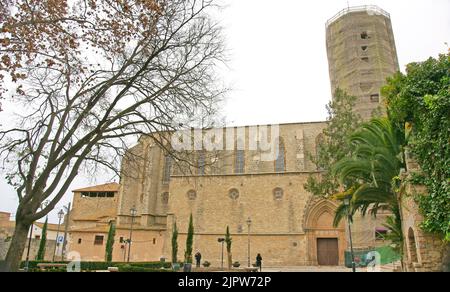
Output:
[[95, 266], [139, 269]]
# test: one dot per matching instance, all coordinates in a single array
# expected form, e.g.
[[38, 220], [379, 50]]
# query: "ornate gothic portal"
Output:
[[325, 243]]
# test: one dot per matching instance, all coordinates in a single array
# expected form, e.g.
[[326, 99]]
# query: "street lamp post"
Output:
[[63, 251], [133, 213], [249, 223], [60, 216], [222, 241], [347, 203], [27, 262]]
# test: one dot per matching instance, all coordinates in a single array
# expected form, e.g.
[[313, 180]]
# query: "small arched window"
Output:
[[233, 194], [165, 198], [280, 163], [278, 194], [192, 195]]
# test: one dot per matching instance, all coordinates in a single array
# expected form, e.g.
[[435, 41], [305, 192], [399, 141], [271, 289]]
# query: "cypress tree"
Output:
[[174, 243], [189, 241], [41, 252], [110, 243]]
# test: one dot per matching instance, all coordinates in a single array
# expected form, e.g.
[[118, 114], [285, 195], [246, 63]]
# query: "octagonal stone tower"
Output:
[[361, 54]]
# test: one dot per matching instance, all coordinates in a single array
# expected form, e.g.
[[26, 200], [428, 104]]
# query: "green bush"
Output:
[[32, 265], [96, 266], [140, 269], [151, 265], [388, 255]]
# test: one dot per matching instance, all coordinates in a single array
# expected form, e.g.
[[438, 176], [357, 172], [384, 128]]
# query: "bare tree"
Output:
[[89, 75]]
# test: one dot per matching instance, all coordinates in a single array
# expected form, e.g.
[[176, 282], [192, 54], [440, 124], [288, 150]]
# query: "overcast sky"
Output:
[[278, 66]]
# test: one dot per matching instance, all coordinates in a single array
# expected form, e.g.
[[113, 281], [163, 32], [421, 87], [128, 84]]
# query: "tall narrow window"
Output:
[[165, 198], [239, 163], [280, 163], [201, 163], [167, 169]]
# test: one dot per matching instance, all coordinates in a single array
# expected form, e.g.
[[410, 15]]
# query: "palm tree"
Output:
[[370, 175]]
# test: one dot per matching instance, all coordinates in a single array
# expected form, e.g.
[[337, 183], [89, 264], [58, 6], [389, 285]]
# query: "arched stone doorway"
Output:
[[325, 243]]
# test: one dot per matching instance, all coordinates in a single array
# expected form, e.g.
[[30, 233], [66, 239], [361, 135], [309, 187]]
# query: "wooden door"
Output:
[[327, 252]]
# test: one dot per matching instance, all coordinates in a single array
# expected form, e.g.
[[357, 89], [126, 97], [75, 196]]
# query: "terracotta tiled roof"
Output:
[[109, 187], [50, 226]]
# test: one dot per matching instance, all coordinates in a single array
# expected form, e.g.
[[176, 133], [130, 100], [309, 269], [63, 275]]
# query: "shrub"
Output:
[[139, 269], [95, 266], [206, 264]]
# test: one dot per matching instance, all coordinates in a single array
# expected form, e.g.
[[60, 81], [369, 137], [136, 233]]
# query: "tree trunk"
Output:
[[230, 261], [15, 252]]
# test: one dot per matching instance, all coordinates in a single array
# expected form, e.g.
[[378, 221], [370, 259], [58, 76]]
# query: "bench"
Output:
[[43, 266]]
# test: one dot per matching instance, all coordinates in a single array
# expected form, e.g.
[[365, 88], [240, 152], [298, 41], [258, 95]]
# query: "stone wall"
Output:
[[50, 247], [286, 220], [424, 252], [147, 245]]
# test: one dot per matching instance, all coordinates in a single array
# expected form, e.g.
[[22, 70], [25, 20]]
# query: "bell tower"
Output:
[[361, 54]]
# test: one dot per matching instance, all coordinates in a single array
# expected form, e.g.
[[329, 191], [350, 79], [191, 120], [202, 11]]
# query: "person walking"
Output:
[[198, 259], [259, 262]]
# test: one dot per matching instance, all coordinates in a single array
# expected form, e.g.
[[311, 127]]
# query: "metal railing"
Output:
[[370, 9]]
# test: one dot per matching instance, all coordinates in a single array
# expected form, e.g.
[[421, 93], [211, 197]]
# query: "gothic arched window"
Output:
[[280, 163], [320, 139], [239, 162], [167, 169], [201, 163]]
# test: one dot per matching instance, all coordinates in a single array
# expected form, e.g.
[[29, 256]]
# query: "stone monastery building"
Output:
[[288, 225]]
